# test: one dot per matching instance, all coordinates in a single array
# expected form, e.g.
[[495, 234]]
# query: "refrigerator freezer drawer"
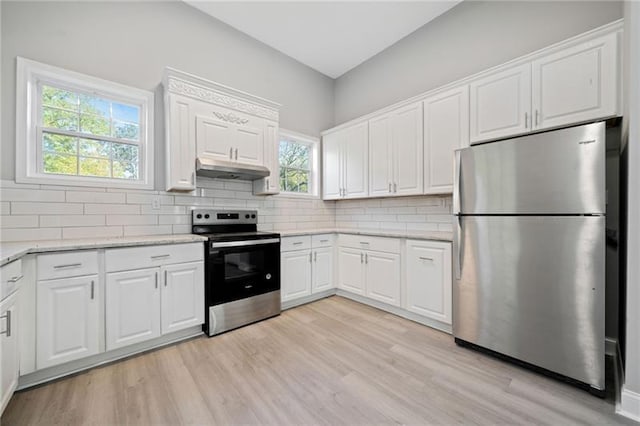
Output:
[[559, 172], [532, 287]]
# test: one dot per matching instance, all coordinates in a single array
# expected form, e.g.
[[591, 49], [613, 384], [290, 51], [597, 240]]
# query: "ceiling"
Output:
[[330, 37]]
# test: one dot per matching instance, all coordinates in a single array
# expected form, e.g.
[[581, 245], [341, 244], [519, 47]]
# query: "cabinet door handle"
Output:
[[426, 258], [231, 153], [395, 187], [165, 277], [324, 241], [366, 258], [364, 243], [156, 280], [315, 256], [361, 257], [297, 243], [389, 186], [236, 153], [15, 279], [8, 329], [92, 289], [70, 265], [537, 114], [160, 256], [310, 257], [268, 183], [526, 120], [193, 178]]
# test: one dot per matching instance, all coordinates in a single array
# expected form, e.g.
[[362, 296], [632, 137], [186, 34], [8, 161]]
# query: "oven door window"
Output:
[[242, 272]]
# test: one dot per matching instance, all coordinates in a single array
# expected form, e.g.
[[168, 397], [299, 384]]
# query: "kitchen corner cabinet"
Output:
[[180, 146], [428, 279], [9, 348], [271, 184], [395, 152], [345, 163], [306, 265], [152, 291], [446, 128]]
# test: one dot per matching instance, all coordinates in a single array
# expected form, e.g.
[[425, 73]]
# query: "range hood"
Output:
[[211, 167]]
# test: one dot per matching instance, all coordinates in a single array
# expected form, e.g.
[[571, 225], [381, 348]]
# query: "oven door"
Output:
[[240, 269]]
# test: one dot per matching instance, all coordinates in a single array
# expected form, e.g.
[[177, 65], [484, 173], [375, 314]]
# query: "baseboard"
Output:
[[629, 404], [307, 299]]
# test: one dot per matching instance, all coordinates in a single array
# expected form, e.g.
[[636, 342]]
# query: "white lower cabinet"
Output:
[[9, 349], [383, 277], [350, 270], [296, 274], [428, 279], [322, 269], [68, 319], [182, 296], [132, 307]]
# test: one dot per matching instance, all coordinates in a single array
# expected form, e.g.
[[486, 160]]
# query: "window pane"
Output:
[[60, 164], [92, 148], [59, 143], [125, 170], [124, 112], [294, 155], [95, 105], [297, 181], [125, 130], [59, 119], [125, 152], [95, 125], [59, 98], [95, 167], [283, 179]]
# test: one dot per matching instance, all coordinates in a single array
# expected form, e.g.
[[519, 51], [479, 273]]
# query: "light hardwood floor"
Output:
[[334, 361]]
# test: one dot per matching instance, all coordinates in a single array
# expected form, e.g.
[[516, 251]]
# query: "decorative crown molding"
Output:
[[181, 87], [231, 118]]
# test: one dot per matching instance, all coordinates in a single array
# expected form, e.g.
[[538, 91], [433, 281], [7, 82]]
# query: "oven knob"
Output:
[[253, 216], [206, 216], [246, 216], [199, 216], [268, 276]]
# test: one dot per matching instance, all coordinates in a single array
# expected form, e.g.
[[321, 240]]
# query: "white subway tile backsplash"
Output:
[[19, 194], [131, 219], [137, 198], [95, 197], [89, 232], [19, 221], [111, 209], [174, 219], [5, 207], [30, 234], [71, 220], [45, 208], [148, 230], [148, 209]]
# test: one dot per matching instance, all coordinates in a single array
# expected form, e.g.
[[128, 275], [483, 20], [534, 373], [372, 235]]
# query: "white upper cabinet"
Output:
[[207, 119], [345, 163], [501, 104], [271, 184], [576, 84], [395, 152], [446, 128], [181, 155]]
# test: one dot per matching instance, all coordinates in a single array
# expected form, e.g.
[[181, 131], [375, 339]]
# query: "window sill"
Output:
[[43, 179], [295, 196]]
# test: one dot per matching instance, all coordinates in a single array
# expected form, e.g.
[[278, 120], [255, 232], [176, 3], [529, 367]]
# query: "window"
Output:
[[298, 164], [80, 130]]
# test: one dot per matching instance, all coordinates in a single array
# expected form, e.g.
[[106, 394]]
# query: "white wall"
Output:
[[469, 38], [132, 42]]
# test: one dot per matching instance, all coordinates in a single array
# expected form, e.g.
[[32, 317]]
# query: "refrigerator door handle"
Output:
[[457, 248], [456, 181]]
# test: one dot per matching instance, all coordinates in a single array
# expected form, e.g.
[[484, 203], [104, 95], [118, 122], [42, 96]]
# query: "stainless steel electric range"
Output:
[[242, 269]]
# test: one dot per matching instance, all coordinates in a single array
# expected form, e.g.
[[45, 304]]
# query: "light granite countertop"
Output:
[[10, 251], [395, 233]]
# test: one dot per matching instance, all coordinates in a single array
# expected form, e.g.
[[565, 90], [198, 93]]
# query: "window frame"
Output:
[[314, 162], [31, 77]]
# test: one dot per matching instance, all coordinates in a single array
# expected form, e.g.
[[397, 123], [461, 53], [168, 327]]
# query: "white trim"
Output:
[[314, 144], [629, 404], [29, 76], [615, 26]]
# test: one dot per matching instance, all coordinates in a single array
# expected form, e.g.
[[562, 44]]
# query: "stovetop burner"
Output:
[[228, 225]]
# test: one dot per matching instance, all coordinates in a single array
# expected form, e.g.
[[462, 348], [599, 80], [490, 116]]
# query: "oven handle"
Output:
[[245, 243]]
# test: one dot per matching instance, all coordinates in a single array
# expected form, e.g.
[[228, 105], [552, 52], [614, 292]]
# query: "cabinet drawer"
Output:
[[301, 242], [323, 240], [67, 264], [124, 259], [362, 242], [10, 276]]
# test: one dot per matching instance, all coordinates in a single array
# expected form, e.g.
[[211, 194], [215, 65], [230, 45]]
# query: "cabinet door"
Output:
[[407, 150], [356, 163], [428, 278], [182, 296], [9, 353], [67, 324], [577, 84], [446, 128], [181, 145], [383, 277], [331, 166], [501, 104], [215, 138], [270, 185], [380, 158], [322, 270], [351, 270], [132, 307], [249, 145], [296, 274]]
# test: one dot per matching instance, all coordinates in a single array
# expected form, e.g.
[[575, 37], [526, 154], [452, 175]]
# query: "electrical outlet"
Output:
[[155, 203]]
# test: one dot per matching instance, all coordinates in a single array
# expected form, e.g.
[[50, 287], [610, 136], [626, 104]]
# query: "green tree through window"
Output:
[[295, 167]]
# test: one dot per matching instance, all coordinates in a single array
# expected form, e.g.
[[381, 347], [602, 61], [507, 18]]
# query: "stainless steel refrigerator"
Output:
[[529, 251]]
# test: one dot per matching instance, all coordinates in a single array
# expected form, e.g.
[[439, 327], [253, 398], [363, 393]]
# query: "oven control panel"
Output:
[[224, 217]]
